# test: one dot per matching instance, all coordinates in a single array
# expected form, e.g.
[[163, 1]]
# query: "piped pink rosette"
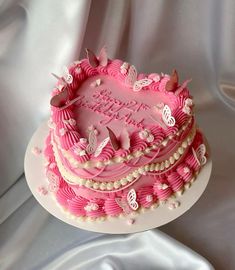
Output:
[[64, 195], [155, 77], [88, 69], [107, 153], [185, 172], [67, 134], [78, 74], [171, 130], [157, 133], [145, 196], [122, 152], [137, 144], [59, 115], [180, 101], [114, 69], [111, 207], [180, 117], [162, 189], [76, 206], [103, 69], [175, 181]]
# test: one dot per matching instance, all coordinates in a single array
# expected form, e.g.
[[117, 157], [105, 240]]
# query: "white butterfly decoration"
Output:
[[101, 147], [66, 78], [92, 141], [131, 80], [130, 202], [167, 118], [199, 154]]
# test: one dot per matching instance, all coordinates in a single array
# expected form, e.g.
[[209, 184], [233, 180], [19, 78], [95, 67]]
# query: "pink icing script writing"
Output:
[[112, 108]]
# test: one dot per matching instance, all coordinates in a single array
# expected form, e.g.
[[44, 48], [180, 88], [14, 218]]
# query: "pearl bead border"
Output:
[[115, 160], [132, 177], [139, 211]]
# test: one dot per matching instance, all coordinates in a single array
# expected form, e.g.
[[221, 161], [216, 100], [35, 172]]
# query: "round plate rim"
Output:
[[147, 219]]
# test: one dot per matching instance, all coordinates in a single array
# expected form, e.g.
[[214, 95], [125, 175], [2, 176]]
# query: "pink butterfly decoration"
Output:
[[101, 60], [60, 99], [123, 141], [182, 87], [173, 84], [123, 204]]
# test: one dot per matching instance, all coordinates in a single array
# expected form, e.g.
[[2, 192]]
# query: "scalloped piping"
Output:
[[140, 210], [116, 160], [88, 72], [132, 177]]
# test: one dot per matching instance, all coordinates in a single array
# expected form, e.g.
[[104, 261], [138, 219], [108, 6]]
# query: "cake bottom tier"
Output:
[[149, 195]]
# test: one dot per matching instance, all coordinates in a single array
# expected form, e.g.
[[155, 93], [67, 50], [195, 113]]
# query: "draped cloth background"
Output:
[[39, 37]]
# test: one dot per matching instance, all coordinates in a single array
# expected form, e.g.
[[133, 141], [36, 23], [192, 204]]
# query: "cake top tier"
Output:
[[104, 110]]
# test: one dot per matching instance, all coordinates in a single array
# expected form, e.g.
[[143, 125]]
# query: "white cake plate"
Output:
[[148, 219]]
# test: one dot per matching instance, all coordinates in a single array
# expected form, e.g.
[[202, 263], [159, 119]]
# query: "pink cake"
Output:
[[119, 140]]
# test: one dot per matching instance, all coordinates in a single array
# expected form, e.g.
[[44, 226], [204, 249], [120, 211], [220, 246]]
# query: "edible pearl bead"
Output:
[[176, 156]]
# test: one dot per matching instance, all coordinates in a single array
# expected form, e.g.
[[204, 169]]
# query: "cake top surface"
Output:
[[103, 109]]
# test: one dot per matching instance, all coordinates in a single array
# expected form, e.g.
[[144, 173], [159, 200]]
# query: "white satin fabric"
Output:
[[55, 245], [39, 37]]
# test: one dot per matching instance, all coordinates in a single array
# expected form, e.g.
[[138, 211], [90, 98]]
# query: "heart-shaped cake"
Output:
[[119, 141]]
